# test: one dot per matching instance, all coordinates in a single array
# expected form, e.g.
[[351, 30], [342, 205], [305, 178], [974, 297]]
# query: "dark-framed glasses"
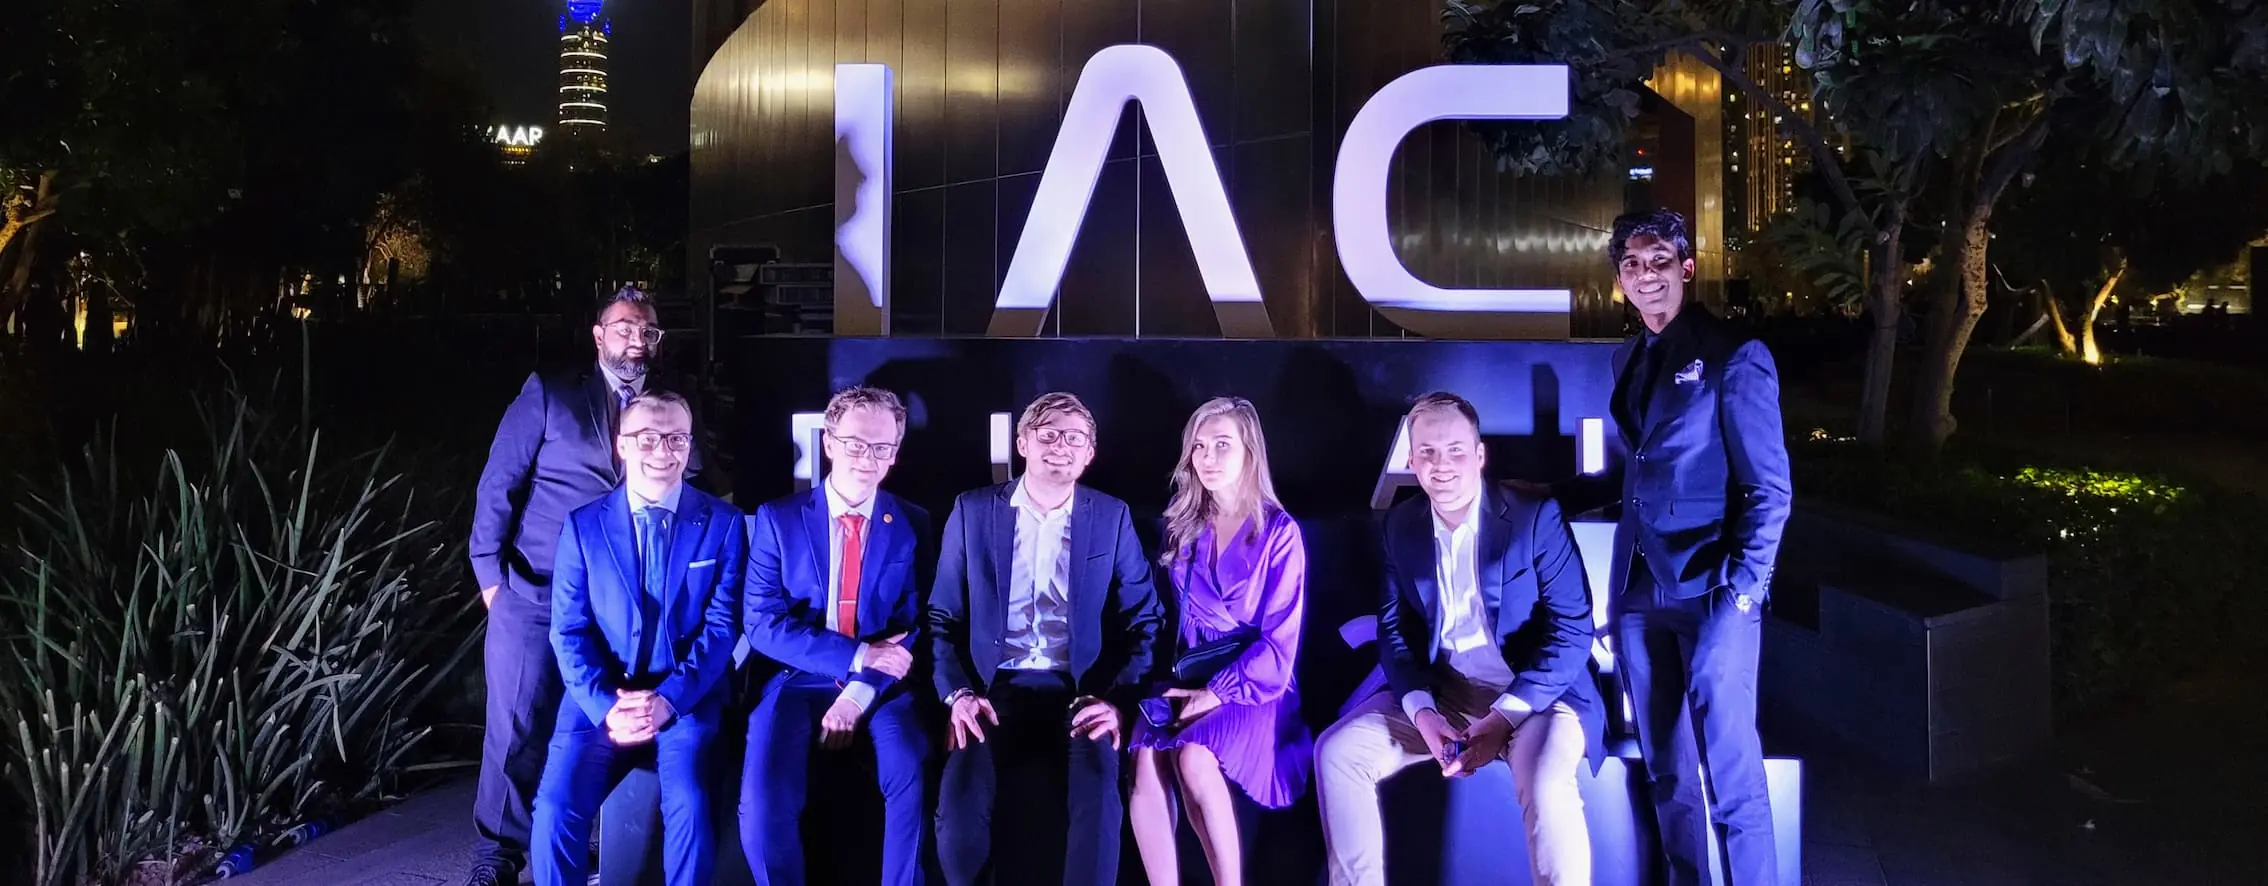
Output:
[[624, 329], [857, 448], [1073, 439], [649, 441]]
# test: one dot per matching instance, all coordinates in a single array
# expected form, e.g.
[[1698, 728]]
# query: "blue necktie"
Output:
[[653, 568]]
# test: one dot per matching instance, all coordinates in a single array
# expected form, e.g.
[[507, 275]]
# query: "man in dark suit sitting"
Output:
[[1484, 633], [835, 595], [554, 452], [1042, 622], [1704, 498], [644, 612]]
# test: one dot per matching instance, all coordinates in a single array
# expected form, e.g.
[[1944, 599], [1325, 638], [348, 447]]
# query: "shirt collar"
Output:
[[1469, 525], [1024, 502], [837, 506], [668, 500], [614, 382]]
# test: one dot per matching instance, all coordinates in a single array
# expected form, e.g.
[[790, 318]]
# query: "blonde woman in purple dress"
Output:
[[1239, 565]]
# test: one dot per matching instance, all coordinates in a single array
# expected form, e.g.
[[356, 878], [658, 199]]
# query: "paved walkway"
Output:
[[426, 840]]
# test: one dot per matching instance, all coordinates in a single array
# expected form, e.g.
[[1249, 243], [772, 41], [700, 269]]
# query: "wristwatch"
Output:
[[958, 694]]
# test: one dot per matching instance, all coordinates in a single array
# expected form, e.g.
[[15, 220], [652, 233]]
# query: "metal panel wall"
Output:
[[981, 88]]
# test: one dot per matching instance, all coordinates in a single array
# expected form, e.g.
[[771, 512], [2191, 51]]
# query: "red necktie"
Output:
[[854, 545]]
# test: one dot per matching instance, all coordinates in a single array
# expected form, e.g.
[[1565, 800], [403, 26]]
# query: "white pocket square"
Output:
[[700, 563], [1691, 373]]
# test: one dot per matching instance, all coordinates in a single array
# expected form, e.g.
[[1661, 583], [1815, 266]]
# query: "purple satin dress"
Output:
[[1263, 745]]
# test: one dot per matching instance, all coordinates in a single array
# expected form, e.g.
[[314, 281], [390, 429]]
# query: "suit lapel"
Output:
[[1495, 542], [1084, 588], [621, 541], [686, 529], [1003, 548], [817, 539], [1416, 540], [599, 415]]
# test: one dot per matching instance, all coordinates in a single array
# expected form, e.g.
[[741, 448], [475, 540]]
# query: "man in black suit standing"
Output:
[[1704, 498], [1041, 622], [554, 452]]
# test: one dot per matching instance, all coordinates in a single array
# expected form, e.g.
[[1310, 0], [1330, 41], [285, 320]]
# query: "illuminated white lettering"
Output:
[[1358, 199], [863, 137], [1113, 77]]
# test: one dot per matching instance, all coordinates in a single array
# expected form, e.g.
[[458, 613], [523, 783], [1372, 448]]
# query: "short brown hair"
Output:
[[863, 397], [1443, 401], [655, 398], [1050, 405]]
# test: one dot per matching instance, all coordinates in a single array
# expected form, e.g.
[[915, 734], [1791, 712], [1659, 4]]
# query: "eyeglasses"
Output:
[[624, 329], [1051, 436], [856, 448], [648, 441]]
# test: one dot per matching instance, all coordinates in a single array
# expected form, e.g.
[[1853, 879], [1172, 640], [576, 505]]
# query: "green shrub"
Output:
[[209, 645], [2147, 578]]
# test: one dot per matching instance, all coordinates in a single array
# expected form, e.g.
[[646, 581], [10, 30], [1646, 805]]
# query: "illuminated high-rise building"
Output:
[[583, 37]]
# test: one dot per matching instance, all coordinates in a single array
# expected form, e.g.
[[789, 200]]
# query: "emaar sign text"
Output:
[[865, 109]]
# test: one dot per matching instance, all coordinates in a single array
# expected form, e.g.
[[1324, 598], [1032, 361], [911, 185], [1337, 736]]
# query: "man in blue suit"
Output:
[[554, 451], [1704, 497], [645, 608], [833, 595], [1484, 634], [1042, 622]]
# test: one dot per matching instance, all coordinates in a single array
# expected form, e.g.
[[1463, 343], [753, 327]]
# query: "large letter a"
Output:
[[1115, 76]]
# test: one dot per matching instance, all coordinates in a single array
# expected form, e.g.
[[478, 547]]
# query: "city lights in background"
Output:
[[583, 39]]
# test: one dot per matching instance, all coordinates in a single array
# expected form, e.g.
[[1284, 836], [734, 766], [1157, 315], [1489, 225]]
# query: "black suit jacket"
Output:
[[1114, 605], [553, 453], [1705, 491], [1532, 582]]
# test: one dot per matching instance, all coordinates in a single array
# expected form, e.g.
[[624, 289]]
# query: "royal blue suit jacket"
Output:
[[553, 453], [1705, 492], [786, 610], [1532, 583], [596, 623], [1114, 603]]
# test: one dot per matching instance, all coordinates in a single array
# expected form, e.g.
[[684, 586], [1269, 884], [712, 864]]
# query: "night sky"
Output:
[[510, 49]]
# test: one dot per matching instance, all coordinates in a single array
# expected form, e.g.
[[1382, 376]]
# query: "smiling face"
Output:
[[1447, 456], [1653, 279], [1221, 459], [1057, 449], [654, 443], [860, 448]]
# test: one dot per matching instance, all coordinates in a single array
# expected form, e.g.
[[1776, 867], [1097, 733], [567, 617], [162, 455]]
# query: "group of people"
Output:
[[1032, 626]]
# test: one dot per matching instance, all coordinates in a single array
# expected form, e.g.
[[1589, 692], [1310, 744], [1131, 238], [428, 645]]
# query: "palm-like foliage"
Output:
[[245, 637]]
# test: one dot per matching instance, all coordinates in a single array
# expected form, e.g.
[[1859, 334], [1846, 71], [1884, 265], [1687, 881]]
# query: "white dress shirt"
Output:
[[1039, 587], [1467, 636], [860, 694]]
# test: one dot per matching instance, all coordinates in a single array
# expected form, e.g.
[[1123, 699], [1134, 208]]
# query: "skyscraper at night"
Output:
[[583, 39]]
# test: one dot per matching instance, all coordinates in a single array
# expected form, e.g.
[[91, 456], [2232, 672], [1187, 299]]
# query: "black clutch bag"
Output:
[[1196, 667]]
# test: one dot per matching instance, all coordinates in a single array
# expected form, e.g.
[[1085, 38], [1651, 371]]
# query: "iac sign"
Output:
[[865, 109]]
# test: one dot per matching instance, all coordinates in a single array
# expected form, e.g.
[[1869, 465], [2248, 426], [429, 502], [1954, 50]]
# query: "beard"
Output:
[[626, 367]]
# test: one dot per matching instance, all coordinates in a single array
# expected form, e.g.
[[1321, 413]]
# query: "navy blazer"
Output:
[[1705, 492], [553, 453], [1114, 604], [596, 624], [1532, 583], [786, 610]]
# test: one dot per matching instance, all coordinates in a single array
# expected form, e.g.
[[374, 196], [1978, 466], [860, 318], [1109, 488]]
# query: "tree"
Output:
[[1911, 104], [2174, 80], [2086, 228]]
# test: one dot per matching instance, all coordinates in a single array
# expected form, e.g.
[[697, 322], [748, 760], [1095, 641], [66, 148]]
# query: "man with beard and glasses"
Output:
[[554, 452]]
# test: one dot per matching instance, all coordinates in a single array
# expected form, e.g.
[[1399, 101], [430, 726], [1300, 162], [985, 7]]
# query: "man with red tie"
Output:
[[834, 595]]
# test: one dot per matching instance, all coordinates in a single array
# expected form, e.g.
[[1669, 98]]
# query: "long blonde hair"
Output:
[[1192, 505]]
